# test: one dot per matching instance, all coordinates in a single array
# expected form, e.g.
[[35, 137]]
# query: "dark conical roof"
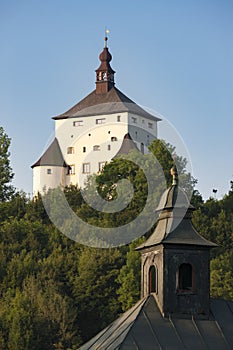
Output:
[[174, 196], [52, 156], [126, 146]]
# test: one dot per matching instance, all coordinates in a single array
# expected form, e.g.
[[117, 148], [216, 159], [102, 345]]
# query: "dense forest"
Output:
[[55, 292]]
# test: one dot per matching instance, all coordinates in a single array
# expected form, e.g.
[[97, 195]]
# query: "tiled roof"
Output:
[[114, 101], [52, 156], [143, 328]]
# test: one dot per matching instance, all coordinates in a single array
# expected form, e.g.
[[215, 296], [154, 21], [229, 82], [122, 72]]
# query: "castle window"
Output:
[[71, 170], [153, 279], [109, 147], [134, 120], [78, 123], [49, 171], [96, 148], [150, 125], [113, 138], [101, 165], [70, 150], [118, 118], [185, 277], [84, 149], [86, 168], [100, 121]]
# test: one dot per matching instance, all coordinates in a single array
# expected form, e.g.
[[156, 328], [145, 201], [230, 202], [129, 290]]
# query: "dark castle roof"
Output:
[[126, 146], [143, 328], [52, 156], [113, 101]]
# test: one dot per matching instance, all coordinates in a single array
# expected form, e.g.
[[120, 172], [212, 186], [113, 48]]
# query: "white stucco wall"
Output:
[[101, 143], [88, 135], [42, 181], [67, 133]]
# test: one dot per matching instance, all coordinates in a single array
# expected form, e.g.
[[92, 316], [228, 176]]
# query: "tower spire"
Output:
[[107, 31], [105, 73]]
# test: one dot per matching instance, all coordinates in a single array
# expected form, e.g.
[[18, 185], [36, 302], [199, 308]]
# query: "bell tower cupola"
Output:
[[175, 259], [105, 73]]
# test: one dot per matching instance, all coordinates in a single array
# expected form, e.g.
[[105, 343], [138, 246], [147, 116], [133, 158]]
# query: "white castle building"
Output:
[[94, 131]]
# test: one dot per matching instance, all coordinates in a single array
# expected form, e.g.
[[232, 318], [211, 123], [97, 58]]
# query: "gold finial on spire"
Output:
[[174, 174], [107, 31]]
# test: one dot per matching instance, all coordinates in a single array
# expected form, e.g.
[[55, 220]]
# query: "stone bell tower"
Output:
[[175, 259]]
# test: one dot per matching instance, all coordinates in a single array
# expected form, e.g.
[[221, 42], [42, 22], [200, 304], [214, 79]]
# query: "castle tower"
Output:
[[93, 131]]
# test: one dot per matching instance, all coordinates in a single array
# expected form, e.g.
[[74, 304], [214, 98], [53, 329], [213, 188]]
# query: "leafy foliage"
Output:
[[55, 293], [6, 190]]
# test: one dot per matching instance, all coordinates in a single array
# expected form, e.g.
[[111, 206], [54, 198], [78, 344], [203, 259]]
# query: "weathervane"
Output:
[[107, 31]]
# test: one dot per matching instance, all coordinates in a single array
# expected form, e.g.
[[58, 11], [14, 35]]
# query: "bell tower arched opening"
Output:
[[153, 279]]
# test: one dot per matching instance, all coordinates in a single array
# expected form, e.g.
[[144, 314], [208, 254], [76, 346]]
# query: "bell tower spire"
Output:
[[105, 73]]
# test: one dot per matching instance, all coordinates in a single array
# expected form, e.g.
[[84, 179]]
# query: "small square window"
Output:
[[70, 150], [96, 148], [49, 171], [100, 121], [113, 138], [134, 120], [150, 125], [78, 123], [86, 168]]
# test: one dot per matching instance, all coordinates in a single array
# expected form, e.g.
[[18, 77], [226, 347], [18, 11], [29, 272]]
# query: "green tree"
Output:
[[94, 289], [6, 190], [221, 277], [130, 277], [166, 155]]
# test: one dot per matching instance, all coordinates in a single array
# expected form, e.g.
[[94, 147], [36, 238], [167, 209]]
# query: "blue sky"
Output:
[[175, 57]]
